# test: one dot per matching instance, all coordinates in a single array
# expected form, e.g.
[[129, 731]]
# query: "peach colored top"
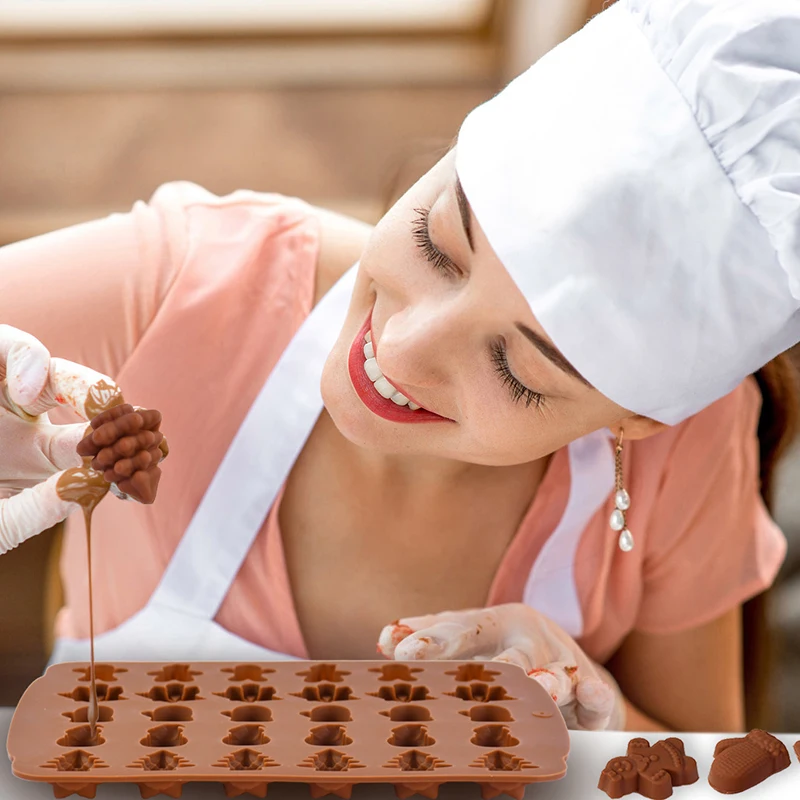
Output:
[[189, 300]]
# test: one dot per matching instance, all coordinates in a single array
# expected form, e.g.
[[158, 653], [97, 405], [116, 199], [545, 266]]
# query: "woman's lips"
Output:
[[369, 395]]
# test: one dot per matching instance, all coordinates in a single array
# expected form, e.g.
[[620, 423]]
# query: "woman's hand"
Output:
[[514, 633], [34, 453]]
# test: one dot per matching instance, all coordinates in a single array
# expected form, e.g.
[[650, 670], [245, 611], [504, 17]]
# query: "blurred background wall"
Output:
[[342, 103]]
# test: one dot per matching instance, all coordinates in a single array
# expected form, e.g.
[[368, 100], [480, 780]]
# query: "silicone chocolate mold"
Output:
[[327, 725]]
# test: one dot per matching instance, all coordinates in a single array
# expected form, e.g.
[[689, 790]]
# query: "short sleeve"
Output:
[[711, 544]]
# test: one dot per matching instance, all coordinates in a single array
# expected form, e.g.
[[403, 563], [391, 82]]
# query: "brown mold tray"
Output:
[[328, 725]]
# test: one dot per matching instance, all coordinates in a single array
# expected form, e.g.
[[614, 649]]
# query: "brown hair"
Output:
[[777, 426]]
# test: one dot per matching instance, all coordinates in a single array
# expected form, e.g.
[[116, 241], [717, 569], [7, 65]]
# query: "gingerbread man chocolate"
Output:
[[741, 763], [650, 770]]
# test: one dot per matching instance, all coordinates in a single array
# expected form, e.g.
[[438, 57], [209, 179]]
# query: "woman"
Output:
[[554, 292]]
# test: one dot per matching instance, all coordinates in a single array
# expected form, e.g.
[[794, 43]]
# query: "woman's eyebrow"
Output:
[[463, 207], [550, 352]]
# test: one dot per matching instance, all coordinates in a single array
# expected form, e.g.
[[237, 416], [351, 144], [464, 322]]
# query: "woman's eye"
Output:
[[421, 234], [518, 390]]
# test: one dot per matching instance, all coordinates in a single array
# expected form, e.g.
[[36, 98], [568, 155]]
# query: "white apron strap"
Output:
[[262, 453], [551, 587]]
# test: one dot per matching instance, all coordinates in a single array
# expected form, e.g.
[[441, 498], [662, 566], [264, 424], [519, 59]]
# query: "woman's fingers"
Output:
[[58, 442], [445, 640], [559, 679], [83, 389], [586, 702], [450, 634], [24, 363], [31, 511], [516, 655], [595, 701]]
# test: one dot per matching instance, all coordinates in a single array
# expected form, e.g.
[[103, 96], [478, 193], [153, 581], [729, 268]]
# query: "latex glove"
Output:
[[33, 452], [584, 692]]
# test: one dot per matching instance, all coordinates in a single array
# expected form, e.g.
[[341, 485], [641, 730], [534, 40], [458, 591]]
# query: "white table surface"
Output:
[[590, 753]]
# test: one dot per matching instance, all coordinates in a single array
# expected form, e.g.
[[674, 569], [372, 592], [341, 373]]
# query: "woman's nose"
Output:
[[417, 345]]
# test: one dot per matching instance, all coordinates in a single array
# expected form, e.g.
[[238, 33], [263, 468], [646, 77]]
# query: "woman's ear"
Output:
[[638, 427]]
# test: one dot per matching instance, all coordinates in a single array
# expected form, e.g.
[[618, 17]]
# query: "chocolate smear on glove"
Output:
[[100, 397]]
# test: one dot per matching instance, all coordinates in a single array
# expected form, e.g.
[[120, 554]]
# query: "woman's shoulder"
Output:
[[199, 212]]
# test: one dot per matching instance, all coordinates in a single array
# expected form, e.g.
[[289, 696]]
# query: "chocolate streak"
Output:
[[87, 487]]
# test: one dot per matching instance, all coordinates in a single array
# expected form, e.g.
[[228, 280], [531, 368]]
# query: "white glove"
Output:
[[33, 452], [585, 693]]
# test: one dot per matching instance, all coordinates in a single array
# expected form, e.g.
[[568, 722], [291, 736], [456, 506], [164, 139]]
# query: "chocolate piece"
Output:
[[797, 750], [124, 443], [741, 763], [650, 770]]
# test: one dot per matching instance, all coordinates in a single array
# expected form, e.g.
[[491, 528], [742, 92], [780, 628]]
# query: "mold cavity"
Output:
[[246, 735], [327, 735], [403, 693], [249, 693], [323, 672], [411, 736], [326, 693], [102, 672], [165, 736], [498, 761], [170, 714], [161, 761], [106, 714], [480, 693], [329, 714], [416, 761], [331, 761], [81, 737], [249, 714], [246, 760], [408, 713], [396, 672], [105, 693], [473, 672], [494, 736], [488, 714], [175, 672], [76, 761], [172, 693], [248, 672]]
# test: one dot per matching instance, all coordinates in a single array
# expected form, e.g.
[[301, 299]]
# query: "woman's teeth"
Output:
[[384, 388]]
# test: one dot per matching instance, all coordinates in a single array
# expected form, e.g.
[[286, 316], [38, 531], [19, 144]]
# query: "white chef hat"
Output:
[[641, 183]]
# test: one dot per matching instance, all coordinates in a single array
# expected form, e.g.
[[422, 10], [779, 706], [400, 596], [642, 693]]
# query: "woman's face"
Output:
[[451, 331]]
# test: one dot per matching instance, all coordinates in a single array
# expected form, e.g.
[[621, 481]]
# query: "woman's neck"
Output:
[[421, 476]]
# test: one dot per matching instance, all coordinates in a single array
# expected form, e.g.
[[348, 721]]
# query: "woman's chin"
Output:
[[348, 413]]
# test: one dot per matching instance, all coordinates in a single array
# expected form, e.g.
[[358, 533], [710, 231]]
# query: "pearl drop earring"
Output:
[[622, 501]]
